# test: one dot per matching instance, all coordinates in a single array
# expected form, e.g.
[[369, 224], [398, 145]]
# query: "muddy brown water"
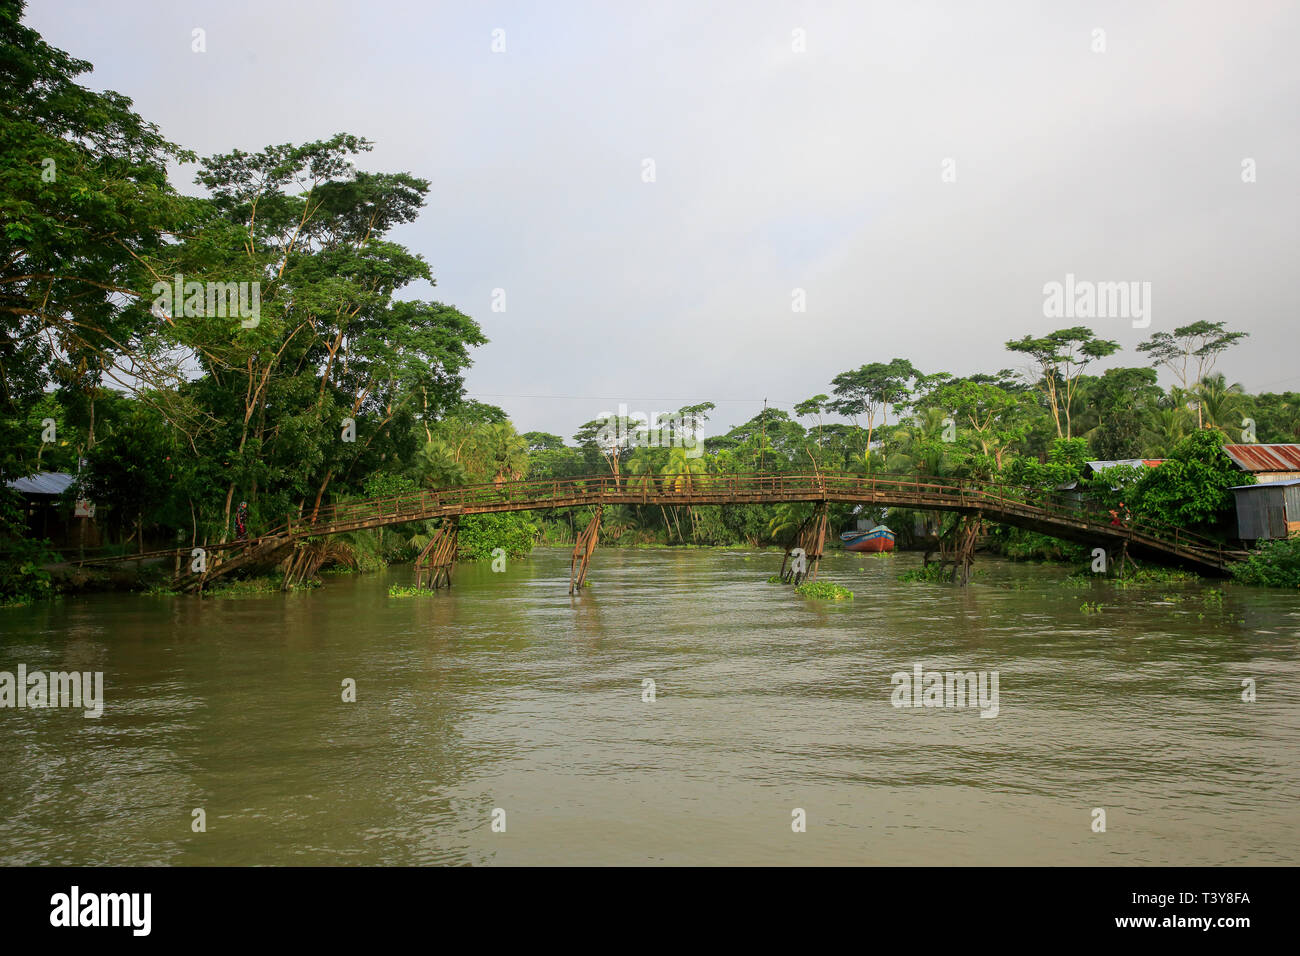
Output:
[[507, 700]]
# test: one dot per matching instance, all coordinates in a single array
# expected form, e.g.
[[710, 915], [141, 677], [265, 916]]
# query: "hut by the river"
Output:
[[1268, 510]]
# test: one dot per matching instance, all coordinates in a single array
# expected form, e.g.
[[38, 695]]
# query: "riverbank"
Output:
[[1276, 566]]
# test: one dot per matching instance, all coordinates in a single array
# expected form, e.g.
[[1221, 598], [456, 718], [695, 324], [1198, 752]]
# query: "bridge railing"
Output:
[[1154, 531], [922, 490]]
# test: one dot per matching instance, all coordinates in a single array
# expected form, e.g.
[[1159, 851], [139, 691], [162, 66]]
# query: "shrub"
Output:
[[22, 577], [1275, 565], [480, 535], [1190, 489]]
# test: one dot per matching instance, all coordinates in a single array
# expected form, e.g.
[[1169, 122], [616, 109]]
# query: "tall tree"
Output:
[[869, 391], [323, 383], [1190, 352], [989, 419], [1060, 358], [1121, 397], [84, 198]]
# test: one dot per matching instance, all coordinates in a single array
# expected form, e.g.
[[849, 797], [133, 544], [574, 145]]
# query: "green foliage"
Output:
[[401, 590], [933, 573], [1021, 545], [133, 471], [824, 590], [1061, 357], [1147, 576], [383, 484], [252, 587], [481, 534], [871, 390], [1118, 398], [470, 449], [988, 421], [1065, 460], [1277, 416], [85, 201], [1190, 490], [1196, 345], [1276, 564], [22, 577]]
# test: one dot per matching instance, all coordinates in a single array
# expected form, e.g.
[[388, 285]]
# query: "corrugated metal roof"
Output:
[[42, 483], [1128, 462], [1265, 457], [1268, 484]]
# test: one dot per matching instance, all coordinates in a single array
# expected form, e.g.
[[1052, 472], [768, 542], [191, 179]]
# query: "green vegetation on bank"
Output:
[[1275, 565]]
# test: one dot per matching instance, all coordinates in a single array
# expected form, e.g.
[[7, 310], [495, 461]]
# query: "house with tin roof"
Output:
[[39, 494], [1270, 508], [1268, 463]]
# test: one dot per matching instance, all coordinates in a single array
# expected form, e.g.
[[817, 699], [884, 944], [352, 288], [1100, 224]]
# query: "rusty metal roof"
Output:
[[1257, 458]]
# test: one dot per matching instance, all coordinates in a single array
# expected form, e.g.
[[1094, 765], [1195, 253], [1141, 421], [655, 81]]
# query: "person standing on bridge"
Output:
[[241, 522]]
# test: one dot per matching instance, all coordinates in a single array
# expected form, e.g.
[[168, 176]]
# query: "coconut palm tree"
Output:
[[1166, 425], [786, 519], [915, 445], [1219, 404], [681, 474], [503, 451], [641, 469]]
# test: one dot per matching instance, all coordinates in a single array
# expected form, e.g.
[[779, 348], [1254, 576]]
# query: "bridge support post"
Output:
[[810, 542], [1124, 560], [957, 548], [582, 551], [296, 567], [433, 564]]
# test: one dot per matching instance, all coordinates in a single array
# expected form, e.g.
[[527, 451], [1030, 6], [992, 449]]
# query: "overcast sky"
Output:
[[775, 169]]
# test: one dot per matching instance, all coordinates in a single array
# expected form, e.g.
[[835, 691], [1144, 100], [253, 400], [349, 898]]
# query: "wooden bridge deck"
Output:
[[1021, 507]]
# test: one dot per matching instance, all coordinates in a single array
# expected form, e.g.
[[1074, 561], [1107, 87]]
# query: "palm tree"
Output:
[[915, 444], [641, 476], [679, 475], [1165, 427], [440, 464], [786, 519], [641, 470], [1218, 403], [505, 452], [681, 470]]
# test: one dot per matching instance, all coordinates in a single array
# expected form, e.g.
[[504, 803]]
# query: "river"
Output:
[[505, 722]]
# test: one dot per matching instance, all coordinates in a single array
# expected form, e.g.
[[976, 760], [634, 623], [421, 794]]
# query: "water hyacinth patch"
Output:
[[824, 590]]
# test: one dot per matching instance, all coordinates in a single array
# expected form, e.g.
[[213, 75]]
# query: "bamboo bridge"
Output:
[[977, 502]]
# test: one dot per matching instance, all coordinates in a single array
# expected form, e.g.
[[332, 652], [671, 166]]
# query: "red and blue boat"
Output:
[[874, 540]]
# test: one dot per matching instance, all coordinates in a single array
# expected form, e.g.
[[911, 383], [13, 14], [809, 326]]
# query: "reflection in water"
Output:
[[508, 692]]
